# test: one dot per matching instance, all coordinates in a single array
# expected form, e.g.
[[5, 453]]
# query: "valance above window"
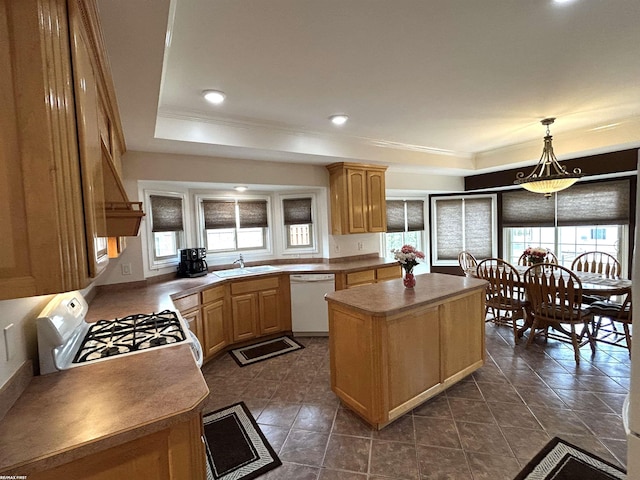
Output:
[[593, 203], [521, 208], [253, 213], [219, 214], [166, 213], [405, 215], [596, 203], [297, 211]]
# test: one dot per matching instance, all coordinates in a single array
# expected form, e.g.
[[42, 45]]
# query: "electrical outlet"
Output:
[[9, 341], [126, 268], [336, 248], [360, 246]]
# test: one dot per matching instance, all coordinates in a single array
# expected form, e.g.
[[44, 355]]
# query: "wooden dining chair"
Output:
[[555, 300], [549, 258], [468, 262], [616, 313], [597, 262], [505, 295]]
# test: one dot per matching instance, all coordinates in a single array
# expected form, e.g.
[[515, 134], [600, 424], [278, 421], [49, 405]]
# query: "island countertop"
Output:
[[391, 297]]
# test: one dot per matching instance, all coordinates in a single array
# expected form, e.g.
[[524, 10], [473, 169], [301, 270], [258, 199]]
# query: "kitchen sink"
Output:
[[237, 272]]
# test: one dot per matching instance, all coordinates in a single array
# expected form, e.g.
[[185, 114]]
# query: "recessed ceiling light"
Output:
[[240, 188], [214, 96], [562, 1], [339, 119]]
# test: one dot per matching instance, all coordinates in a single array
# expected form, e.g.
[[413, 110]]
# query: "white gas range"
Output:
[[66, 340]]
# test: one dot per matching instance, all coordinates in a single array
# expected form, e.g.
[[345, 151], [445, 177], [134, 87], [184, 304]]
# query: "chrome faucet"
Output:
[[240, 261]]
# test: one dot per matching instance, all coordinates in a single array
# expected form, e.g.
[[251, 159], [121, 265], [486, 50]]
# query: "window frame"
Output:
[[433, 199], [156, 262], [287, 249]]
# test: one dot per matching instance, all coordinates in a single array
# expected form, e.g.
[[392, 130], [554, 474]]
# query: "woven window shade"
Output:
[[297, 211], [253, 213], [521, 208], [449, 229], [166, 213], [415, 215], [219, 214], [477, 227], [395, 216], [598, 203]]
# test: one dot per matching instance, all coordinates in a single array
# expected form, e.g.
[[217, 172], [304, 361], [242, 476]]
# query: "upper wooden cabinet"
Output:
[[60, 127], [358, 202]]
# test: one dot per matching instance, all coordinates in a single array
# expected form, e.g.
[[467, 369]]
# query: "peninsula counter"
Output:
[[392, 348]]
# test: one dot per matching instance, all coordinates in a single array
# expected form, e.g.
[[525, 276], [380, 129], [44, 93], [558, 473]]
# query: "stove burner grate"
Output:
[[107, 338]]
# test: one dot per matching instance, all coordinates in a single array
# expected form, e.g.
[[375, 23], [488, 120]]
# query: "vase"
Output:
[[409, 279]]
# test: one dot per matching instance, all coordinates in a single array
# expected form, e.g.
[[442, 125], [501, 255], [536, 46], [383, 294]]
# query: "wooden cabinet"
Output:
[[89, 141], [174, 453], [238, 311], [358, 201], [215, 320], [244, 314], [260, 306], [57, 99], [368, 276]]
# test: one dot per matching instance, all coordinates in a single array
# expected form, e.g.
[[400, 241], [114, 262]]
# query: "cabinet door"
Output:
[[269, 303], [245, 316], [357, 200], [86, 95], [377, 211], [213, 320]]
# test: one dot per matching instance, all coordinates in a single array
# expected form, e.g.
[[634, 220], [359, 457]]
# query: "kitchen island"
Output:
[[392, 348]]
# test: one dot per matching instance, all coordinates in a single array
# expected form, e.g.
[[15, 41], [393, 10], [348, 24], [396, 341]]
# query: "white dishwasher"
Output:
[[309, 311]]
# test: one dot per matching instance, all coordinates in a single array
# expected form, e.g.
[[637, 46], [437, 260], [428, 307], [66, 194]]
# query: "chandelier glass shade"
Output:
[[548, 176]]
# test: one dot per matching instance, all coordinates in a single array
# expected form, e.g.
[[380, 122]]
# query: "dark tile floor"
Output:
[[486, 427]]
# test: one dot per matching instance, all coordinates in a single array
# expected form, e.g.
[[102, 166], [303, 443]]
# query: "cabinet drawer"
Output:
[[385, 273], [361, 277], [212, 294], [238, 288], [186, 303]]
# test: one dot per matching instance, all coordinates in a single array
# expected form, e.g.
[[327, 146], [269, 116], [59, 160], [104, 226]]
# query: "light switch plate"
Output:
[[9, 341]]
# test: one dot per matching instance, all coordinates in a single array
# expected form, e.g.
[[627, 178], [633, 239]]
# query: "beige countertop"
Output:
[[391, 297], [153, 297], [67, 415]]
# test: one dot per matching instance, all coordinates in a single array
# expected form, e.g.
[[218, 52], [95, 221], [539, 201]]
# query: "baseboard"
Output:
[[310, 334]]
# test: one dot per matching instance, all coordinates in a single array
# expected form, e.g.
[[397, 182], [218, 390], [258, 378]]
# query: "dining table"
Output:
[[593, 284]]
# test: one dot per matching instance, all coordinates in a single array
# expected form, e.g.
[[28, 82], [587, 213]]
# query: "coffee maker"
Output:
[[192, 263]]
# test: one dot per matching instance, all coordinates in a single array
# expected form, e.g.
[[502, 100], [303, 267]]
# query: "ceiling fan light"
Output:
[[214, 96]]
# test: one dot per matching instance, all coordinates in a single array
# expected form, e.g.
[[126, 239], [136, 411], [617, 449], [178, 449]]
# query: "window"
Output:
[[231, 224], [405, 223], [167, 228], [298, 222], [463, 223], [586, 217]]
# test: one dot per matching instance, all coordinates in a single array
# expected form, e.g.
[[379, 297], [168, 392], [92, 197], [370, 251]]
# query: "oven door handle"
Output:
[[196, 349]]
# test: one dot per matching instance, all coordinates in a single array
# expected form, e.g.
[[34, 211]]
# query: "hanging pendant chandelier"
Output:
[[548, 176]]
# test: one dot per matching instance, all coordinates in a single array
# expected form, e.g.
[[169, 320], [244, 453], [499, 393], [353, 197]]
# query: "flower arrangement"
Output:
[[535, 255], [407, 256]]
